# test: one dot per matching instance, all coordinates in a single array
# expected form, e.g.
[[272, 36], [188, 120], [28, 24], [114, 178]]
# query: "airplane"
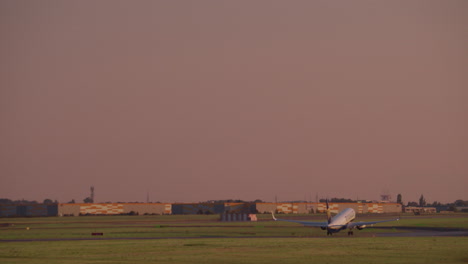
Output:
[[342, 220]]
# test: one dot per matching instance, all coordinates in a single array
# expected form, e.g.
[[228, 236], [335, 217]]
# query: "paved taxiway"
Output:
[[406, 232], [423, 232]]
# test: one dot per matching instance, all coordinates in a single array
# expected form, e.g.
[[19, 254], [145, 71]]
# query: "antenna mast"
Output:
[[92, 194]]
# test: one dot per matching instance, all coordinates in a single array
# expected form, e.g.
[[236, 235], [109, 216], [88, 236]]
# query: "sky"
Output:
[[188, 101]]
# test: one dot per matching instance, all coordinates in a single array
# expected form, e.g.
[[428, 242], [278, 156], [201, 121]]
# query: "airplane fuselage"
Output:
[[340, 221]]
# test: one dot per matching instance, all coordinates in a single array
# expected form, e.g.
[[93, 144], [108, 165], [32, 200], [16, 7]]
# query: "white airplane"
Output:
[[342, 220]]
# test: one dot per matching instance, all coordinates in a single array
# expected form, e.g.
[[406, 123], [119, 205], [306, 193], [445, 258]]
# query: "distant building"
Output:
[[419, 210], [461, 209], [76, 209]]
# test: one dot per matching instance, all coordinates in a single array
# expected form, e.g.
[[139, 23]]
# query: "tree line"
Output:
[[422, 201], [26, 202]]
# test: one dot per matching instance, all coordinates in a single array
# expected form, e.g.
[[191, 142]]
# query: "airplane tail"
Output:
[[328, 212]]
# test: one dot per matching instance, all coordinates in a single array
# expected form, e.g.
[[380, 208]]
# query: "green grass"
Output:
[[268, 250], [148, 226], [188, 226], [248, 242], [156, 231]]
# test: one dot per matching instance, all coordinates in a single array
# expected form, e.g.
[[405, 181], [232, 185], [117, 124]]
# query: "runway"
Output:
[[405, 232], [423, 232]]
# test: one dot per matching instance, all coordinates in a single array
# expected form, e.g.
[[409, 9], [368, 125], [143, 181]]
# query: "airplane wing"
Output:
[[353, 224], [306, 223]]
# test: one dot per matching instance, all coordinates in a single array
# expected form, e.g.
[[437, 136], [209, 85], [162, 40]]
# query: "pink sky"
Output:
[[198, 100]]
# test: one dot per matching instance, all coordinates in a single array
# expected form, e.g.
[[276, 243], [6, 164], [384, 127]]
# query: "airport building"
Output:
[[311, 208], [419, 210], [28, 210], [189, 208], [114, 209]]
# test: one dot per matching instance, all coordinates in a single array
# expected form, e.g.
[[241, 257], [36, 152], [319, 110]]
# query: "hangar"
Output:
[[188, 208], [77, 209]]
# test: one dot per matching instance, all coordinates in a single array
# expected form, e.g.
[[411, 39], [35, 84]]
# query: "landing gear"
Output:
[[329, 233], [350, 233]]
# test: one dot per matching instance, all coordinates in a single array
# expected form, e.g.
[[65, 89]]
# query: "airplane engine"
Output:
[[361, 227], [323, 228]]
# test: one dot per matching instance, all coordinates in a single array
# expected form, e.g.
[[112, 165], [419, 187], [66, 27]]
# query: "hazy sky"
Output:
[[196, 100]]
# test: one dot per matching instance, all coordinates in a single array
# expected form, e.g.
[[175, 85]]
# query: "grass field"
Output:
[[204, 241]]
